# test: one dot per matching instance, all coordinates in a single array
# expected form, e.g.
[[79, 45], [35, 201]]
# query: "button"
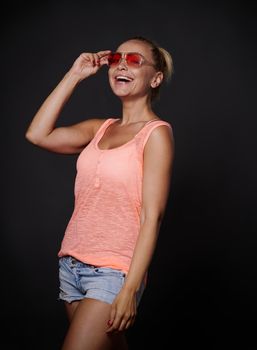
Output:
[[73, 262], [97, 183]]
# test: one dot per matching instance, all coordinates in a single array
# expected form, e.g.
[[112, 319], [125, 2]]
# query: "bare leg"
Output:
[[71, 308], [88, 327]]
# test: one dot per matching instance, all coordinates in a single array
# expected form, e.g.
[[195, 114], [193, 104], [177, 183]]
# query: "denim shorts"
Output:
[[79, 280]]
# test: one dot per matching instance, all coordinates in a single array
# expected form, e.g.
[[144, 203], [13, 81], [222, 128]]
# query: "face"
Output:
[[132, 80]]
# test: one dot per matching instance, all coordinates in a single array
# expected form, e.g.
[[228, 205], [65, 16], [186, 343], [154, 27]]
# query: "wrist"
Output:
[[130, 287], [73, 77]]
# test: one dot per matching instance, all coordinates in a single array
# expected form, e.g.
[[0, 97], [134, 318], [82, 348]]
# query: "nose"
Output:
[[123, 63]]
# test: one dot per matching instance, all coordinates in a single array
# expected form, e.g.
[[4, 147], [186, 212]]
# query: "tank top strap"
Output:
[[146, 131], [102, 128]]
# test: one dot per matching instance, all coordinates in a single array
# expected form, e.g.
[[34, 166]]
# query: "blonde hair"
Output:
[[168, 69], [163, 62]]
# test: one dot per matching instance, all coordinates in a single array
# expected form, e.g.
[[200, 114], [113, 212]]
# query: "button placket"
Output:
[[97, 173]]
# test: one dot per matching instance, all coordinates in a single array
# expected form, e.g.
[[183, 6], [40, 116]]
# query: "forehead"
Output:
[[135, 46]]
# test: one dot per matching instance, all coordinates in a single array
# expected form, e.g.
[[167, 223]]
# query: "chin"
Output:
[[121, 94]]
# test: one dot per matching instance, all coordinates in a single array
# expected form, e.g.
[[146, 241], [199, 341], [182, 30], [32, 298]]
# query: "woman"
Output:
[[121, 190]]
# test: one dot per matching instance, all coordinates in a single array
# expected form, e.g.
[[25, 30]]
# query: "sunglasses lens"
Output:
[[114, 59], [133, 59]]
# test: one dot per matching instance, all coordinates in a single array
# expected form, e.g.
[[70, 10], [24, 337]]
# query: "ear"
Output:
[[157, 79]]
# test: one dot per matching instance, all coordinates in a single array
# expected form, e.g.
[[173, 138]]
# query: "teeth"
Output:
[[123, 78]]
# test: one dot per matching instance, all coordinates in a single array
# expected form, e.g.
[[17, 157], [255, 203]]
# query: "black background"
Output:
[[202, 282]]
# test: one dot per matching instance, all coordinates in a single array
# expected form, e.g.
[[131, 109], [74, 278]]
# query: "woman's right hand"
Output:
[[89, 63], [70, 139]]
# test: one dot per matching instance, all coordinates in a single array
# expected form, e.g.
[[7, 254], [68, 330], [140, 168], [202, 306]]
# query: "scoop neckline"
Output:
[[112, 121]]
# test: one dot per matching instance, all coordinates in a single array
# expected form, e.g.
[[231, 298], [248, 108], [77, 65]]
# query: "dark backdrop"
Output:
[[202, 282]]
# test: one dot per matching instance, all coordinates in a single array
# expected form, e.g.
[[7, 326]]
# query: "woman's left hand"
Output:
[[123, 311]]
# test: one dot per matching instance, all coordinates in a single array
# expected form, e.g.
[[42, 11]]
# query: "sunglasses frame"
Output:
[[123, 56]]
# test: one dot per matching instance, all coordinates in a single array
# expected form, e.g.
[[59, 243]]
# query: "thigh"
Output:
[[71, 308], [88, 328]]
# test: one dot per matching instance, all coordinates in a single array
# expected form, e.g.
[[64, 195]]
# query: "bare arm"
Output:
[[158, 159], [71, 139]]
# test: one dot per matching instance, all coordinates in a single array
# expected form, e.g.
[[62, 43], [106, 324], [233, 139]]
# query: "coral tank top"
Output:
[[105, 223]]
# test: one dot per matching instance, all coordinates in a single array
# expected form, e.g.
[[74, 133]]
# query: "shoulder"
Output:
[[159, 147], [159, 134], [91, 126], [97, 123]]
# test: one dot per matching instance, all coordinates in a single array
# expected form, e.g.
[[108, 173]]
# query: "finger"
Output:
[[103, 56], [103, 53], [111, 317], [85, 58], [87, 55], [96, 59], [130, 323], [111, 329], [89, 58], [115, 325], [123, 324], [104, 61]]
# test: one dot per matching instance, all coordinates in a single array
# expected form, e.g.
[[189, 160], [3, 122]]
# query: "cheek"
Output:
[[145, 77], [109, 74], [144, 81], [110, 77]]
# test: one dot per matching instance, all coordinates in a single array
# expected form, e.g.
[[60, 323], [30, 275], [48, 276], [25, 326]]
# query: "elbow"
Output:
[[159, 218], [31, 137], [154, 217]]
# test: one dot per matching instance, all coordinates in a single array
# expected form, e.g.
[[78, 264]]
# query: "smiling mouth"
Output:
[[123, 79]]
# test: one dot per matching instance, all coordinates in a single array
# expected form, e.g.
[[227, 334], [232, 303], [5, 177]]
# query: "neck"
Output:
[[136, 111]]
